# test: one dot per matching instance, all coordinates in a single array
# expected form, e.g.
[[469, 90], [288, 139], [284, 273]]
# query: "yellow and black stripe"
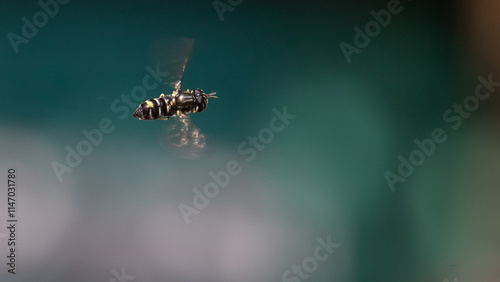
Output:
[[167, 106], [155, 108]]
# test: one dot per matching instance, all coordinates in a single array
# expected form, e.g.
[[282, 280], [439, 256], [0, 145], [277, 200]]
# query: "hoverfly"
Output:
[[182, 134], [178, 103]]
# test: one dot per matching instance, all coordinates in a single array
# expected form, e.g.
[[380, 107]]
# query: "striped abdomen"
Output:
[[155, 109]]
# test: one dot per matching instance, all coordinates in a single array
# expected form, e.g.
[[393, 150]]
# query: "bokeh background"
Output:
[[323, 175]]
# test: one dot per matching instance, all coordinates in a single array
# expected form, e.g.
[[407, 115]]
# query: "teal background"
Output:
[[322, 176]]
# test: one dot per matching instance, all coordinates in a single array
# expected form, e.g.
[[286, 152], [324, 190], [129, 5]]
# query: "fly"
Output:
[[179, 103]]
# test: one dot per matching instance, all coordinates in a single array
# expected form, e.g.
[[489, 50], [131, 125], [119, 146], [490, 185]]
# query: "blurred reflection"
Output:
[[185, 138]]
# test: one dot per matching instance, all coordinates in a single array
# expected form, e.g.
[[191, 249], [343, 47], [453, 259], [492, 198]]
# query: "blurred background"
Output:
[[117, 212]]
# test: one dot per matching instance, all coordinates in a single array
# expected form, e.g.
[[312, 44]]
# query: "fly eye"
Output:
[[199, 98], [197, 91]]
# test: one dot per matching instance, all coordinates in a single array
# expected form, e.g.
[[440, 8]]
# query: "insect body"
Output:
[[174, 53], [179, 102]]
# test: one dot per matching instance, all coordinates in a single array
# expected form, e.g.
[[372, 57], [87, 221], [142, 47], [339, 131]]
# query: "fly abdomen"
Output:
[[162, 107], [155, 109], [165, 107]]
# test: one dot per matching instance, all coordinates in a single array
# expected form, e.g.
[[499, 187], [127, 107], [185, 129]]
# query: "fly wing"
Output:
[[172, 54], [185, 138]]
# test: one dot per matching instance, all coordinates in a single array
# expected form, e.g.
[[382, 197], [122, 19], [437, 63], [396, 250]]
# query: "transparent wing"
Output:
[[181, 134], [185, 138], [172, 54]]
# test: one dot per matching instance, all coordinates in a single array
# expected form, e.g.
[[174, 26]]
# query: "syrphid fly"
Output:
[[182, 135], [180, 103]]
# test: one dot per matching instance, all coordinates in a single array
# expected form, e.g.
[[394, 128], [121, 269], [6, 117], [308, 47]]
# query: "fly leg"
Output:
[[212, 95]]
